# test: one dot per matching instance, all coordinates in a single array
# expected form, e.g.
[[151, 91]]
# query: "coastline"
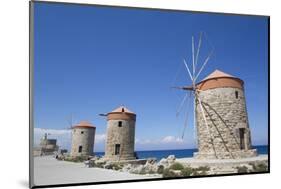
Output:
[[181, 153]]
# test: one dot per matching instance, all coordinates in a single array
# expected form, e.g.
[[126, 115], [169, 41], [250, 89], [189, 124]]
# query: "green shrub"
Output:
[[80, 159], [177, 166], [168, 173], [110, 166], [202, 170], [142, 172], [99, 165], [116, 166], [242, 169], [187, 171], [160, 169], [260, 167], [184, 171], [76, 159], [151, 172]]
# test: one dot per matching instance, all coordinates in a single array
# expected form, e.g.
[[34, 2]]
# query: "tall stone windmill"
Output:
[[220, 113], [120, 134]]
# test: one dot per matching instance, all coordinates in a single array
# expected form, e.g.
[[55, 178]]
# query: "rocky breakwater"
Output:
[[148, 166]]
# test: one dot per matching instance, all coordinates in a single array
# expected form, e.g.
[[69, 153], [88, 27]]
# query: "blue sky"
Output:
[[90, 60]]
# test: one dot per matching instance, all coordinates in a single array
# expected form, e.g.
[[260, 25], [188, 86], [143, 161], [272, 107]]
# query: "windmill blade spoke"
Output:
[[176, 87], [177, 74], [186, 118], [198, 50], [194, 117], [193, 73], [188, 70], [70, 121], [204, 116], [181, 104], [204, 64], [185, 125], [193, 63]]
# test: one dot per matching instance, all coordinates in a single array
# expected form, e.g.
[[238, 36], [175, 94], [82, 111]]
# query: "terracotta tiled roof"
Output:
[[84, 124], [217, 74], [122, 109]]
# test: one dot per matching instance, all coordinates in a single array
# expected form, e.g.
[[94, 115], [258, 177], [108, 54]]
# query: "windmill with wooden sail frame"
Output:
[[219, 110]]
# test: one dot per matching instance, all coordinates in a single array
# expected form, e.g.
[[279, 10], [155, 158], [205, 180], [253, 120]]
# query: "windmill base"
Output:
[[117, 158], [226, 155]]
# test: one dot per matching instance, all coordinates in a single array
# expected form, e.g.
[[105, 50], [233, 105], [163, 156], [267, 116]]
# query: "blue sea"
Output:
[[159, 154]]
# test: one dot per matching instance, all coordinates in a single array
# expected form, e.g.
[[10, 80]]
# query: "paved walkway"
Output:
[[49, 171]]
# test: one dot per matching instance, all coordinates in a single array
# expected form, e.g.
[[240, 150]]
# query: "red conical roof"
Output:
[[121, 113], [84, 124], [122, 109], [217, 74], [219, 79]]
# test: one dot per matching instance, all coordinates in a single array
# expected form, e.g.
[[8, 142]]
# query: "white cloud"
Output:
[[145, 141], [51, 131], [164, 140], [100, 138], [163, 143], [63, 137], [171, 139]]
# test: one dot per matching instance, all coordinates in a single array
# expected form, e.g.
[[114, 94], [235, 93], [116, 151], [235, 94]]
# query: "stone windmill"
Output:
[[83, 139], [120, 140], [220, 114]]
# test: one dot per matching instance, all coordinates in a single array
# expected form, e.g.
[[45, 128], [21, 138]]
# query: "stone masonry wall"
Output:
[[124, 135], [225, 114], [85, 139]]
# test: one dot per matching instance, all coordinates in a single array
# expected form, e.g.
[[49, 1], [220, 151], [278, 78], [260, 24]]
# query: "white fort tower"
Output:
[[83, 137], [120, 142]]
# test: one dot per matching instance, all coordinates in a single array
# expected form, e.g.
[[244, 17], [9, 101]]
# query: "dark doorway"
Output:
[[117, 149], [242, 138], [80, 149]]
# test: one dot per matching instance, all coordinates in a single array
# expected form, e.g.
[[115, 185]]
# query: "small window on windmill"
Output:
[[117, 149], [80, 149], [82, 132], [119, 123], [236, 94]]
